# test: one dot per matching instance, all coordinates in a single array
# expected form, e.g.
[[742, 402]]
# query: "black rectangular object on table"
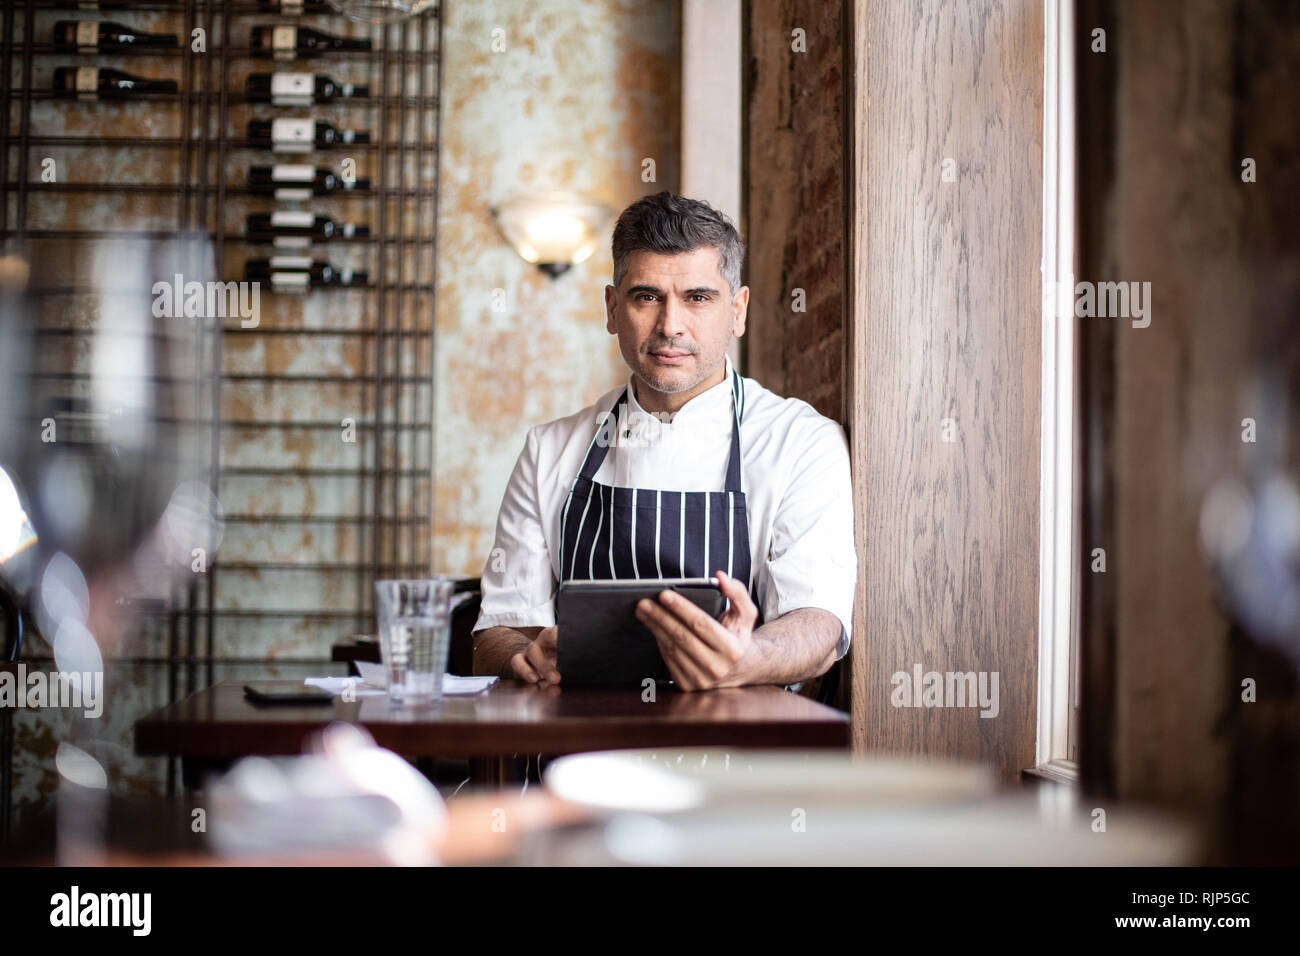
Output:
[[600, 639], [274, 693]]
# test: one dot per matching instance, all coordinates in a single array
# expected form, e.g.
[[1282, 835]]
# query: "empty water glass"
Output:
[[414, 637]]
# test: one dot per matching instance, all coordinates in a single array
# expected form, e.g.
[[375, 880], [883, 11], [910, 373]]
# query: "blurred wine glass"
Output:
[[16, 533], [102, 446], [100, 397]]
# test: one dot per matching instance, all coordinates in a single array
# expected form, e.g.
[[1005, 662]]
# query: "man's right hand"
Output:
[[536, 663]]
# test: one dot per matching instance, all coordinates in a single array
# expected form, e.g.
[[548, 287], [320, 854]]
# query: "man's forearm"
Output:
[[494, 646], [799, 645]]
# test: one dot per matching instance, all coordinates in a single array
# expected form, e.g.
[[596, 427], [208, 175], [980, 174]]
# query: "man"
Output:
[[706, 474]]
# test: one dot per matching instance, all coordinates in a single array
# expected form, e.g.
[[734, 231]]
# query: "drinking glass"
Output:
[[414, 637]]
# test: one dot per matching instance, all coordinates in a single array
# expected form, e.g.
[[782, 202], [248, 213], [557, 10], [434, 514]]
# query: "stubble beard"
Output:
[[664, 381]]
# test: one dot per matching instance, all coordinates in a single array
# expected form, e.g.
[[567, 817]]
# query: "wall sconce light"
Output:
[[554, 232]]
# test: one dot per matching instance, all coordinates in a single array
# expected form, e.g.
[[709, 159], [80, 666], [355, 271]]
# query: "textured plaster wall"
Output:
[[577, 95]]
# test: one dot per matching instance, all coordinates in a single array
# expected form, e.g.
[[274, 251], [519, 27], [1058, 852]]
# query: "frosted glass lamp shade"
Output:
[[553, 232]]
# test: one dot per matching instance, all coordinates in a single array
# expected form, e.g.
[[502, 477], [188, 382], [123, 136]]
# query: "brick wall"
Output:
[[794, 220]]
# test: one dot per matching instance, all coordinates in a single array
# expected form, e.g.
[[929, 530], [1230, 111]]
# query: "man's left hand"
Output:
[[702, 653]]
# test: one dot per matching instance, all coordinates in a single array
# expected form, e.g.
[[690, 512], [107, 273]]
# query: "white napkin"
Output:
[[337, 685], [373, 682]]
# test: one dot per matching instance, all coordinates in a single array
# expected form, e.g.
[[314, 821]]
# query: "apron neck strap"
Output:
[[737, 414]]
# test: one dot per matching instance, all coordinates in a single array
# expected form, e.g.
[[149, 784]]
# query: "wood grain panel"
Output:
[[946, 325]]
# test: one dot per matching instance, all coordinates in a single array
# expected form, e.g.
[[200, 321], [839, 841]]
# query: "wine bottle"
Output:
[[288, 42], [87, 36], [292, 8], [299, 89], [100, 82], [300, 273], [290, 183], [97, 4], [300, 135], [289, 228]]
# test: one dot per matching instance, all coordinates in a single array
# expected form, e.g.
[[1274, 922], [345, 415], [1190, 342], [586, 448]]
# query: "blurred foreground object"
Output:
[[100, 429], [1007, 831], [348, 794], [82, 808], [16, 532], [1251, 535], [757, 808], [92, 427], [654, 780], [102, 446]]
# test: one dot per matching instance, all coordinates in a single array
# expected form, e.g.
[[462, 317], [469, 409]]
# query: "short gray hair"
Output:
[[670, 225]]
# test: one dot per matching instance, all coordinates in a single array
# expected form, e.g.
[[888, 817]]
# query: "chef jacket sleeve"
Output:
[[811, 561], [518, 583]]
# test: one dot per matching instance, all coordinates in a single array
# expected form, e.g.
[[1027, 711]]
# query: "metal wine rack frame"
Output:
[[393, 540]]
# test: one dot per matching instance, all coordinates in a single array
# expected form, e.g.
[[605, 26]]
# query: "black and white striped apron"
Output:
[[615, 532]]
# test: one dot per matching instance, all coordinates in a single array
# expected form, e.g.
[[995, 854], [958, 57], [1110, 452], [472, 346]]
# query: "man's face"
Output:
[[674, 317]]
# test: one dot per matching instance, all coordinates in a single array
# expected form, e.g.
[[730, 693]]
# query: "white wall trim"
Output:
[[1056, 570]]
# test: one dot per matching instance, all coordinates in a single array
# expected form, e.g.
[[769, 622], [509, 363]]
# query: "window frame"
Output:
[[1056, 748]]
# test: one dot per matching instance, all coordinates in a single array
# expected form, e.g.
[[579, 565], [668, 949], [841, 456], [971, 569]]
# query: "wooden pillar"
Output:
[[946, 105]]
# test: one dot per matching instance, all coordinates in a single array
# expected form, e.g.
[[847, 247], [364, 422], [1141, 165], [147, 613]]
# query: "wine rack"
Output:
[[311, 517]]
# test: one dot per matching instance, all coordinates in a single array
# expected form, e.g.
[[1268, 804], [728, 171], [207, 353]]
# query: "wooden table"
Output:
[[218, 725]]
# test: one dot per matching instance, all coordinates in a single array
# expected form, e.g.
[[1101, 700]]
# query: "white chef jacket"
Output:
[[794, 473]]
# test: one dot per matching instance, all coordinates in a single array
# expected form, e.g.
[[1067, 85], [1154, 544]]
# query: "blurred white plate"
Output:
[[669, 780], [1010, 830]]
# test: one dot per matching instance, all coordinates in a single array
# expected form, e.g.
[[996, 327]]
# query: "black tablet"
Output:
[[600, 640]]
